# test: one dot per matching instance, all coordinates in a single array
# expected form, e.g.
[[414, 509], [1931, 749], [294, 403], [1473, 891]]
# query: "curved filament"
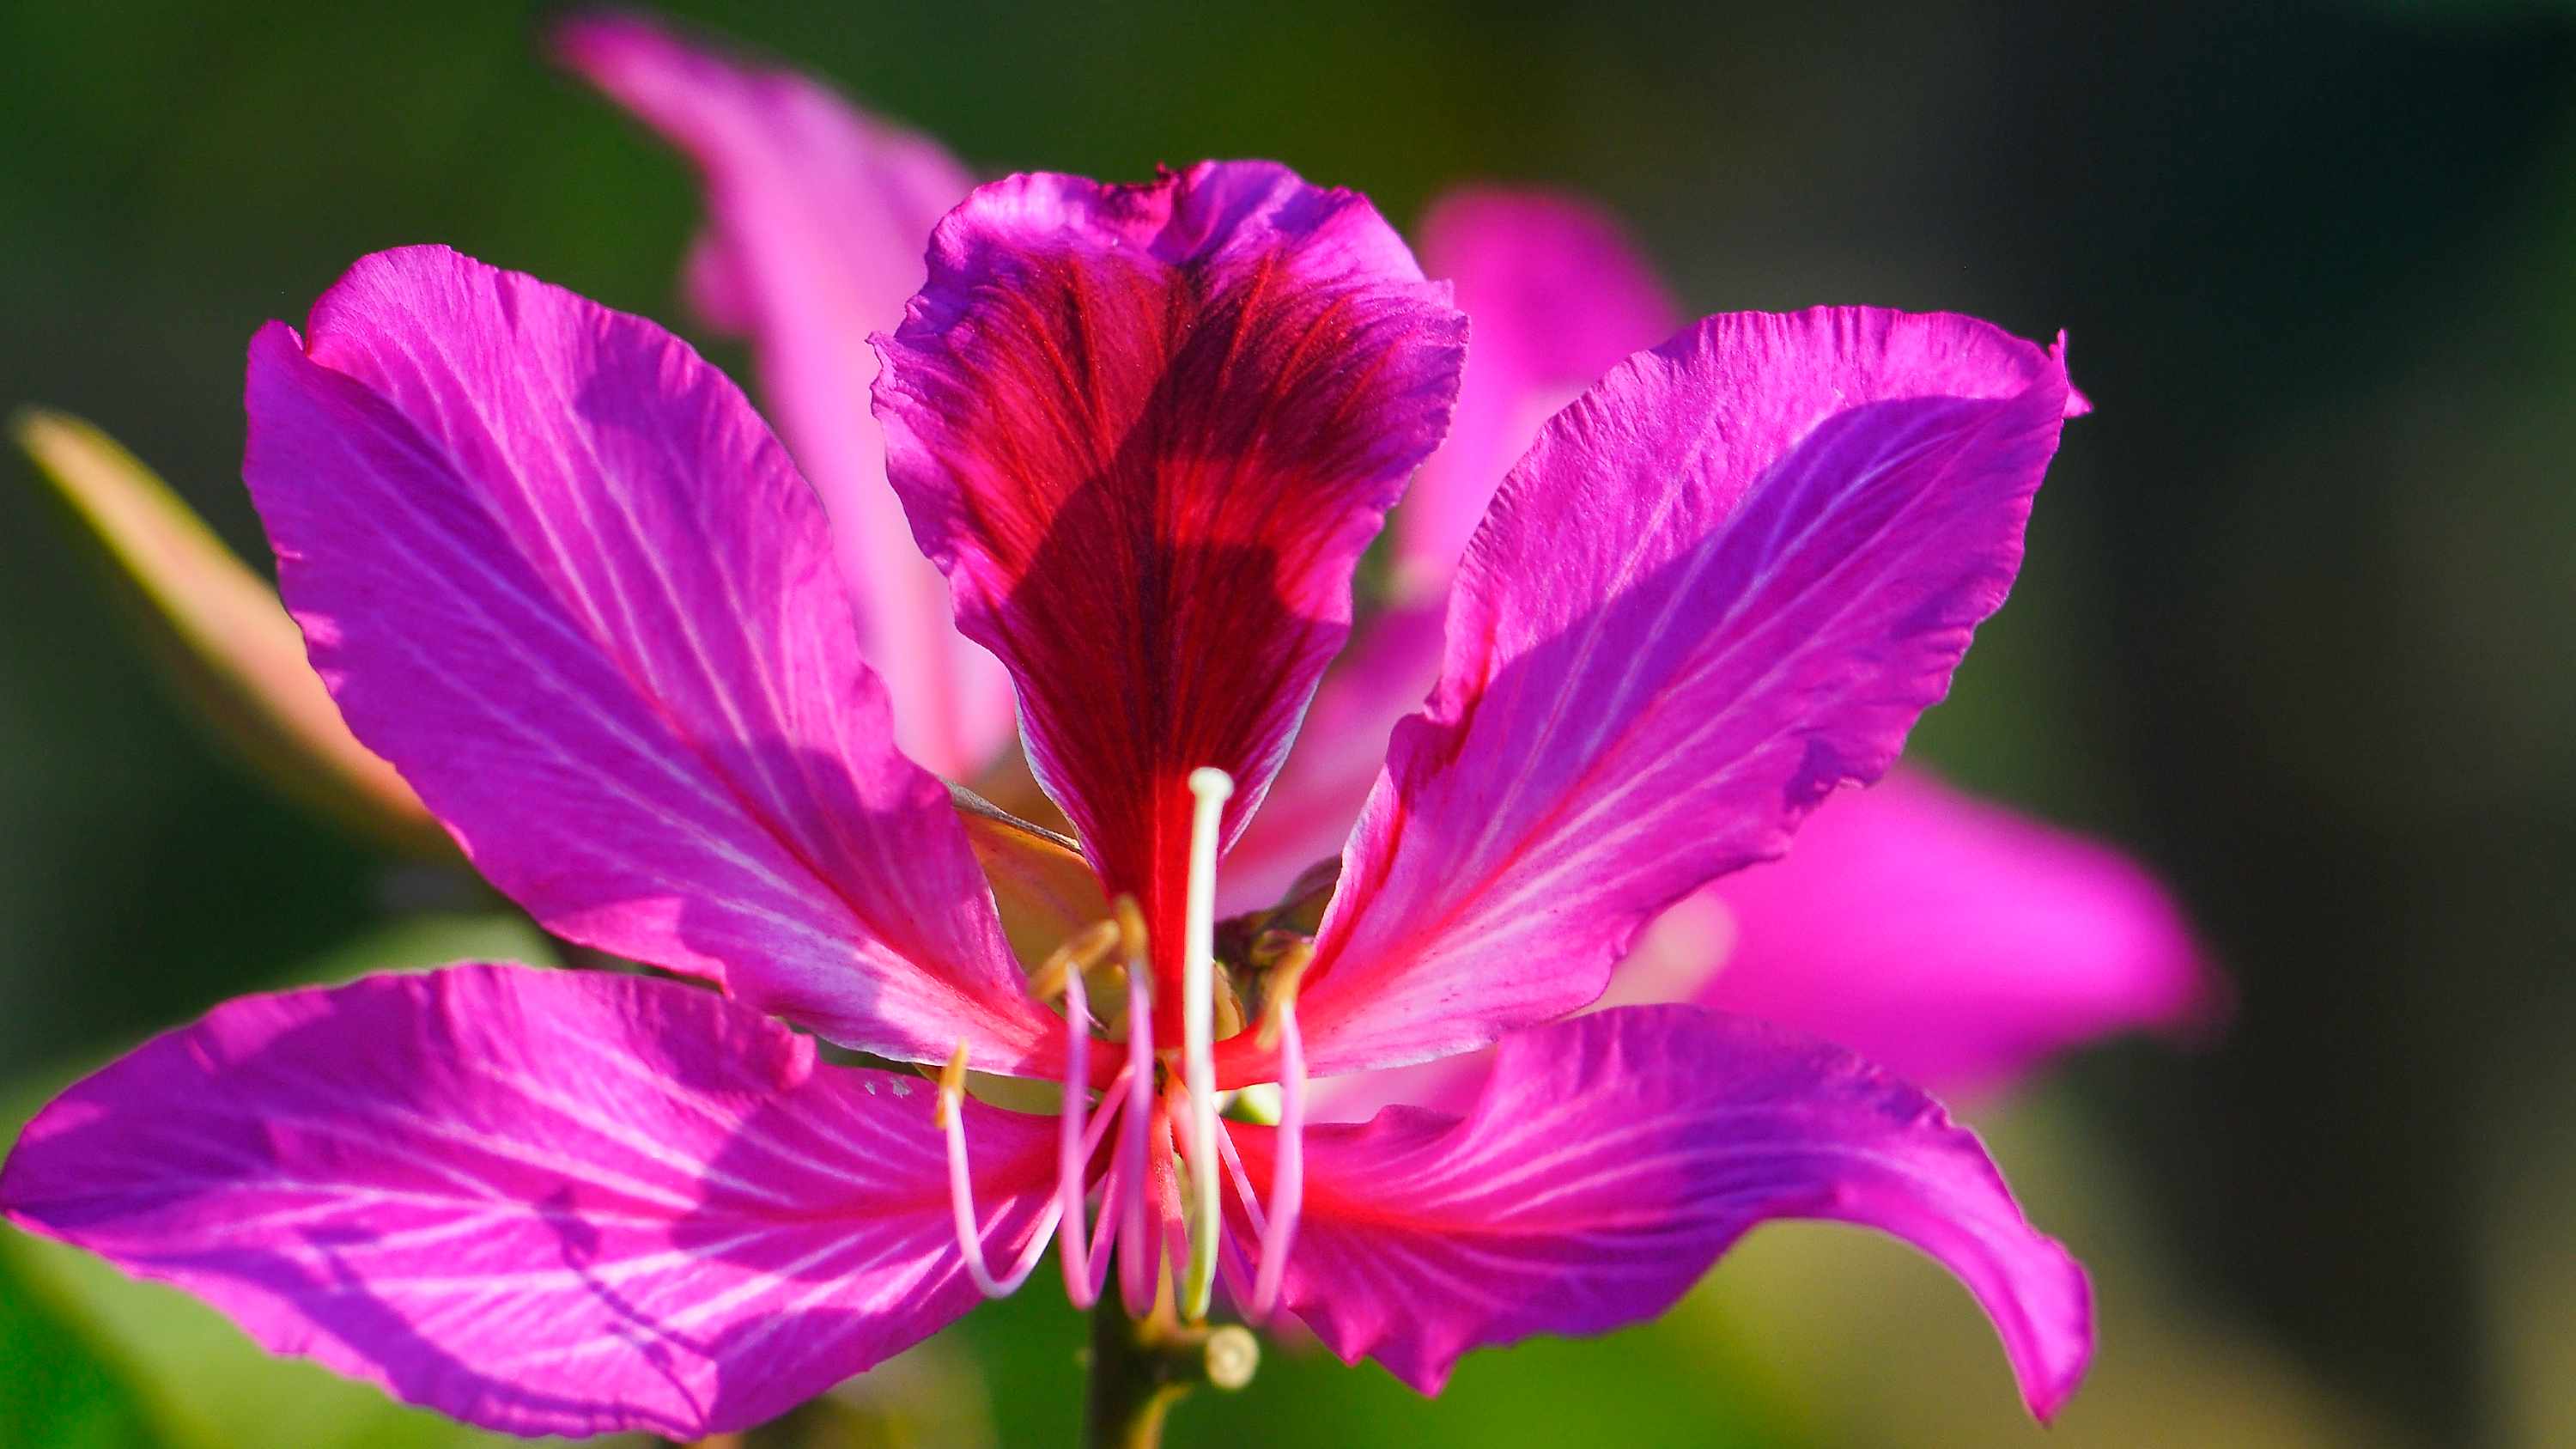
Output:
[[1288, 1176], [1071, 1161], [1138, 1255], [961, 1193]]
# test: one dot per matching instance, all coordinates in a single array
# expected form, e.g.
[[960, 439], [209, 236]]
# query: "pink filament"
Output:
[[1167, 1191], [1288, 1180], [961, 1201], [1100, 1234], [1137, 1257], [1242, 1183], [1230, 1267], [1081, 1284], [1071, 1162]]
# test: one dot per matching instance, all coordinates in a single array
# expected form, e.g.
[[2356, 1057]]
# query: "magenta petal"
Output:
[[1557, 296], [543, 1202], [818, 215], [1950, 941], [1609, 1162], [555, 569], [1722, 584], [1147, 431], [1390, 665]]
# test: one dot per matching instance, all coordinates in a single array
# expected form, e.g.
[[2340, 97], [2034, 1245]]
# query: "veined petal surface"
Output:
[[1723, 583], [1608, 1163], [1147, 431], [818, 215], [556, 570], [1391, 664], [542, 1202], [1557, 296], [1951, 941]]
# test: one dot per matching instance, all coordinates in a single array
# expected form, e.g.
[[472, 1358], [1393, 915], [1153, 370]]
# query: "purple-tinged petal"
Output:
[[818, 215], [1443, 1084], [1722, 584], [543, 1202], [1674, 961], [1391, 664], [1950, 941], [1612, 1158], [555, 569], [1557, 296], [1147, 431]]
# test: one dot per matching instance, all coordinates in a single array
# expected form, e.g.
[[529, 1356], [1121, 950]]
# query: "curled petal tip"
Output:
[[1606, 1164], [2077, 404]]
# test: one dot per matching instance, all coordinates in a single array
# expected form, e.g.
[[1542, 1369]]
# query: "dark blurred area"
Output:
[[2298, 626]]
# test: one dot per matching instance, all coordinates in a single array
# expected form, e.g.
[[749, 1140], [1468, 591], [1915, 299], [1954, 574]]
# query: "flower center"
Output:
[[1271, 953]]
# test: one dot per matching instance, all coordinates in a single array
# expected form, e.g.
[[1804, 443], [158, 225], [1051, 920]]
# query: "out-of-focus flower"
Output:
[[555, 568], [1937, 936], [1944, 939]]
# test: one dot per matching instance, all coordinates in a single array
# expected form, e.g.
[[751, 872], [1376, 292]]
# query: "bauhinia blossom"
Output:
[[1940, 937], [555, 569]]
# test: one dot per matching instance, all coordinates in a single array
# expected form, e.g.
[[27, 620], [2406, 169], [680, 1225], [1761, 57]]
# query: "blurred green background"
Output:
[[2298, 626]]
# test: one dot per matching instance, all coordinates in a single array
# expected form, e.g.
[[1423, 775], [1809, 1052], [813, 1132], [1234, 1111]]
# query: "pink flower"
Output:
[[1942, 938], [555, 569]]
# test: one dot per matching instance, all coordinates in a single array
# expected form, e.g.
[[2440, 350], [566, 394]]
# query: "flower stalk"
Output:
[[1140, 1367]]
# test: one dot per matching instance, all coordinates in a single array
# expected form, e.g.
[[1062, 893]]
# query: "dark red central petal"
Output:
[[1147, 431]]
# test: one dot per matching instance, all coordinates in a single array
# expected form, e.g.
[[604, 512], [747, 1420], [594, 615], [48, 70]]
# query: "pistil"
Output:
[[1210, 788]]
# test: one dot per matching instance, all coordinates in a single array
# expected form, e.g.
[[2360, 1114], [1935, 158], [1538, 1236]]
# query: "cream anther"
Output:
[[952, 1086], [1283, 992], [1211, 789], [1086, 948], [1131, 941], [949, 1116]]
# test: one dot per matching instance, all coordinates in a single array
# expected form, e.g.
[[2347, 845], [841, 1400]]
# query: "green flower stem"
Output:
[[1141, 1367]]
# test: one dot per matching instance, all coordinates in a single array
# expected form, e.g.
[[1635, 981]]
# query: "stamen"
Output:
[[1284, 980], [1087, 948], [952, 1085], [1105, 1231], [1212, 788], [1288, 1173], [1242, 1193], [1070, 1159], [1138, 1255], [950, 1114], [1102, 1233]]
